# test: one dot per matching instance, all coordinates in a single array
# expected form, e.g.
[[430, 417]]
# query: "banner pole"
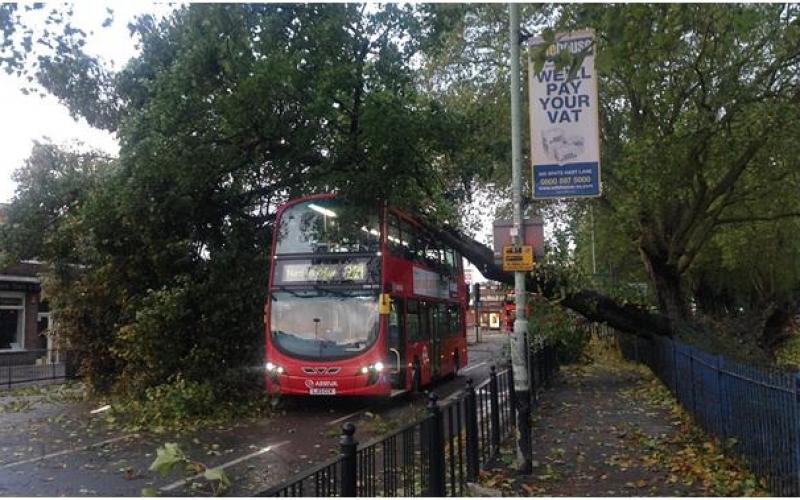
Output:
[[518, 355]]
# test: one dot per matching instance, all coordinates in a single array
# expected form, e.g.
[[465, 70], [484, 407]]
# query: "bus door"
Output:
[[435, 335], [397, 343]]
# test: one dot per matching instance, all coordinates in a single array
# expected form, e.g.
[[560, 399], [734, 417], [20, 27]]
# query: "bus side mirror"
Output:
[[384, 304]]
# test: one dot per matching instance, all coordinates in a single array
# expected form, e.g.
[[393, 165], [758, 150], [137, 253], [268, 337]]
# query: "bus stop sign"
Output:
[[518, 258]]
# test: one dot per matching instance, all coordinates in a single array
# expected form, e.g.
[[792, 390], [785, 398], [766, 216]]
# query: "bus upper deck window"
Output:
[[327, 226], [395, 237]]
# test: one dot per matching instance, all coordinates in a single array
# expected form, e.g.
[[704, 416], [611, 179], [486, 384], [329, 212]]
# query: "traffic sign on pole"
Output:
[[518, 258]]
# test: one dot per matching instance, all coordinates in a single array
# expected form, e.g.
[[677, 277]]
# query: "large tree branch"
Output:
[[591, 304], [725, 186]]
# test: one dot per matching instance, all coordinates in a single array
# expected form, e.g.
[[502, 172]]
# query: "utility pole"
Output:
[[476, 297], [594, 261], [519, 355]]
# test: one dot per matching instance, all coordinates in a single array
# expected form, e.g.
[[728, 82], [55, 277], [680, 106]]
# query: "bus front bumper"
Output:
[[358, 385]]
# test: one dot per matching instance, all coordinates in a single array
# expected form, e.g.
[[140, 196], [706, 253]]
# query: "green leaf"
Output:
[[217, 474], [167, 457], [149, 492]]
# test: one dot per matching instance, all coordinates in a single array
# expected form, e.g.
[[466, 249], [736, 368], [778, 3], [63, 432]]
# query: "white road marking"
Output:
[[182, 482], [101, 409], [470, 368], [64, 452], [333, 422]]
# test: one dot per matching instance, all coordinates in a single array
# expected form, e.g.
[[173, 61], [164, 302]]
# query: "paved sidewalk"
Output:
[[610, 429]]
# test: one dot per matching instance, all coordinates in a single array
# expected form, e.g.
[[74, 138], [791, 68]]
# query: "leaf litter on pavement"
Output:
[[610, 428]]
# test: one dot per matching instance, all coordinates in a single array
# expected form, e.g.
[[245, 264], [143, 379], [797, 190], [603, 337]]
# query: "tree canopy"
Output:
[[159, 257], [698, 164]]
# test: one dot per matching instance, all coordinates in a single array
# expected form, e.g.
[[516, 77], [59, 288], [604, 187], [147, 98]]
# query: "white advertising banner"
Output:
[[565, 138], [430, 284]]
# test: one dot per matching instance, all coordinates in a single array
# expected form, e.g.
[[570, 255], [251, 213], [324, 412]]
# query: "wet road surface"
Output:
[[58, 448]]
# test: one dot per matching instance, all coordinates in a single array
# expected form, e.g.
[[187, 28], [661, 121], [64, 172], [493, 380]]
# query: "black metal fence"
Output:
[[435, 455], [758, 407], [33, 365]]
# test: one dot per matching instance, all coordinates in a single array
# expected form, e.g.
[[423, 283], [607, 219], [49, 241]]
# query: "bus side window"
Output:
[[394, 322], [395, 236], [444, 320], [430, 254], [410, 237], [450, 261], [412, 320], [455, 320], [372, 238], [425, 324], [421, 247]]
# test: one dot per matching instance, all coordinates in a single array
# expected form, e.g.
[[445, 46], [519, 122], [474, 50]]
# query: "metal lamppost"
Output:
[[519, 356]]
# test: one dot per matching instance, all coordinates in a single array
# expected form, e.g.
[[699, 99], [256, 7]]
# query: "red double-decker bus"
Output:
[[361, 302]]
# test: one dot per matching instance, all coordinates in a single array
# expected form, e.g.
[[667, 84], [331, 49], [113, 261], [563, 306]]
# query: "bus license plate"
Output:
[[322, 391]]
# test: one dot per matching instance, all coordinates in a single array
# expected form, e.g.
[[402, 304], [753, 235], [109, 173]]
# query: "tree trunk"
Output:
[[594, 306], [776, 330], [667, 281]]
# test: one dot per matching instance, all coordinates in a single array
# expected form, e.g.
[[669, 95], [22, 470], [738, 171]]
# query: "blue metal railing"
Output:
[[758, 407]]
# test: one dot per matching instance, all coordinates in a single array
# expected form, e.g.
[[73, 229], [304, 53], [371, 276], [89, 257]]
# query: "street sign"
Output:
[[518, 258], [565, 138]]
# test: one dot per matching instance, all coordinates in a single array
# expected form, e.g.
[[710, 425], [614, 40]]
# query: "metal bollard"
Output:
[[348, 447], [471, 428], [436, 472], [512, 394], [494, 408]]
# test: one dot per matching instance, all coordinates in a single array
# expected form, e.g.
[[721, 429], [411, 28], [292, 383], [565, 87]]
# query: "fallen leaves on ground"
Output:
[[638, 439], [690, 455]]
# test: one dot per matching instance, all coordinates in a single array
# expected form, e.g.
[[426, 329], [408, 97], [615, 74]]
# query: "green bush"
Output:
[[185, 404], [549, 323], [788, 354]]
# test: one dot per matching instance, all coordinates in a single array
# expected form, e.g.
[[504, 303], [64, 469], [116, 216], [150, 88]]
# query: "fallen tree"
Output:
[[589, 303]]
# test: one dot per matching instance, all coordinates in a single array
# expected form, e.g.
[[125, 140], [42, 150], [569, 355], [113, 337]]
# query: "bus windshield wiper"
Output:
[[289, 291], [331, 291]]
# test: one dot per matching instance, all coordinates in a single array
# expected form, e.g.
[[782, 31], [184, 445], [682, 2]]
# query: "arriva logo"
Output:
[[313, 384]]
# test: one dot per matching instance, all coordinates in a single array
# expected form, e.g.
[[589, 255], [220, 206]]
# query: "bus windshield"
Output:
[[323, 323], [327, 226]]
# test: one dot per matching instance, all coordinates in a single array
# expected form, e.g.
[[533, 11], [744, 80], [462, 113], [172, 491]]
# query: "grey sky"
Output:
[[25, 119]]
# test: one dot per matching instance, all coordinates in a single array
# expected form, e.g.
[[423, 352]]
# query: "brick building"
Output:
[[24, 317]]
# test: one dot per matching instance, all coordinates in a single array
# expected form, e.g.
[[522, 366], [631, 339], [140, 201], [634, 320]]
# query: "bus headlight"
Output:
[[372, 372], [373, 368], [272, 368]]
